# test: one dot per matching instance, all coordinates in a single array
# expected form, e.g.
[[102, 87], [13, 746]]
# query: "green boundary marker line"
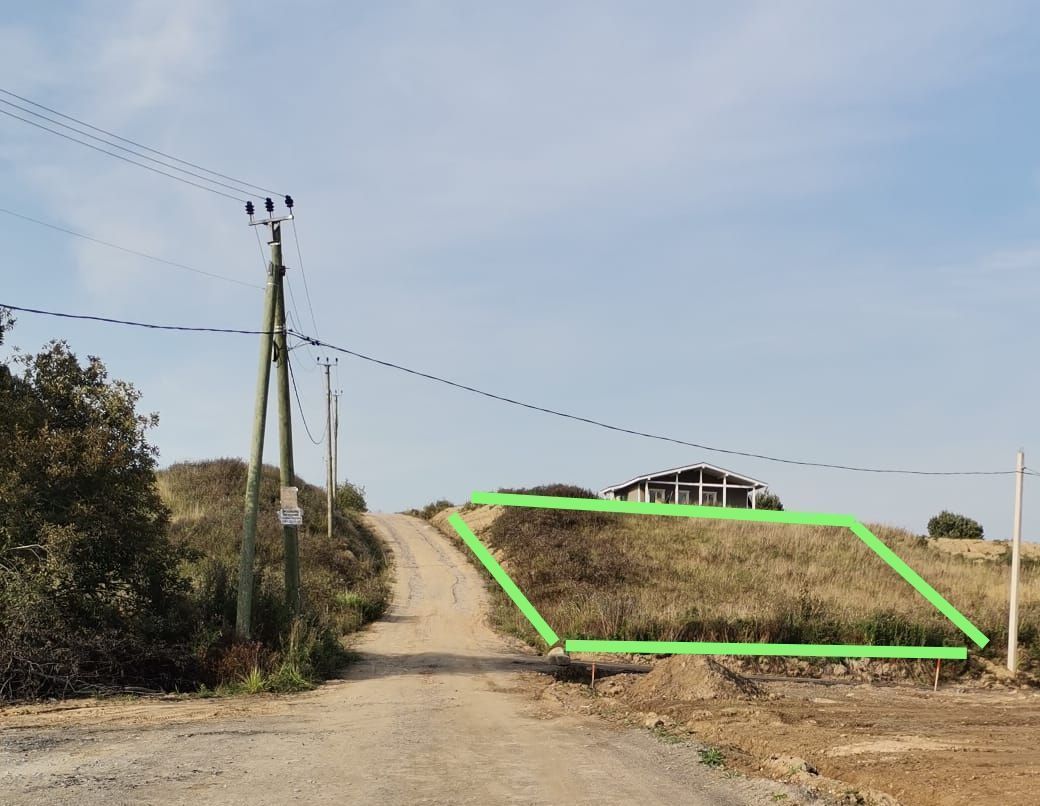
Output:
[[716, 513], [803, 650], [502, 578], [922, 587], [672, 510]]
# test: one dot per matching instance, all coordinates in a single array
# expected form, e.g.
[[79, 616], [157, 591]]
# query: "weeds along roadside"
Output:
[[345, 580]]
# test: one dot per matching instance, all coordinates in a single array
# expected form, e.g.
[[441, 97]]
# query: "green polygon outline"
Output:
[[715, 513]]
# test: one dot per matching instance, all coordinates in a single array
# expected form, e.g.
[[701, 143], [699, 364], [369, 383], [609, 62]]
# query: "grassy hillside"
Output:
[[601, 575], [344, 581]]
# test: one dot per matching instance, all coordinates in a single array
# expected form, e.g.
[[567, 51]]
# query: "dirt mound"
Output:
[[682, 678]]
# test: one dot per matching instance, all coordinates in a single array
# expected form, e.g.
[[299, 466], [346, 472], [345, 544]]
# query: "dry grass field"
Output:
[[596, 575]]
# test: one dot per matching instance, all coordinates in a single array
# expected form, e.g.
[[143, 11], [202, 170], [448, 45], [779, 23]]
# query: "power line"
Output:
[[288, 285], [303, 274], [131, 323], [299, 405], [530, 406], [127, 249], [121, 157], [646, 435], [297, 327], [217, 182], [138, 145]]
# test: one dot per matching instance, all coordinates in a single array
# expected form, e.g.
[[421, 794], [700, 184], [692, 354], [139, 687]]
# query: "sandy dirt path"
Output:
[[427, 716]]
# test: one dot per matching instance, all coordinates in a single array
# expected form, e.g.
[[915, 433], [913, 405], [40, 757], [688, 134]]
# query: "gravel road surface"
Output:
[[434, 713]]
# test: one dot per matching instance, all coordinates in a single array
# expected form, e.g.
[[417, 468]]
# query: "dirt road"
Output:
[[432, 714]]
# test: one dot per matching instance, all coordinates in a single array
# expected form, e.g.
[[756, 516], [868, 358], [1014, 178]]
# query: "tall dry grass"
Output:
[[344, 580]]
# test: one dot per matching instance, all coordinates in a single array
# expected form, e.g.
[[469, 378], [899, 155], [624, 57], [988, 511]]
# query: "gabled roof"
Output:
[[673, 470]]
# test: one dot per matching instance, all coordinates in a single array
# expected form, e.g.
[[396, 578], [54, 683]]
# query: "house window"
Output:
[[711, 499], [684, 496], [657, 496]]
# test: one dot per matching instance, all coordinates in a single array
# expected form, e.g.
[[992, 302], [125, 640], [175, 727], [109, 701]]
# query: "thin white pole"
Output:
[[1016, 550]]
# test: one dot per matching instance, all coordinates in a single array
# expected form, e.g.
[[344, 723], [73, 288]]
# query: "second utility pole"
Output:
[[1016, 561], [335, 437], [330, 480]]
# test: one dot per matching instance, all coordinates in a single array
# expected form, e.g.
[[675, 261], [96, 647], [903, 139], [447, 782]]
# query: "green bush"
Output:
[[351, 497], [90, 593], [949, 524], [769, 501], [113, 576]]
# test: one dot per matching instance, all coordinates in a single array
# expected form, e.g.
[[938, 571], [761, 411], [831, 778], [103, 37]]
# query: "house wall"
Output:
[[735, 498]]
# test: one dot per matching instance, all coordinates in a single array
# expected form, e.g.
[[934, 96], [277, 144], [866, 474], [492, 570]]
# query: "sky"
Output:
[[806, 230]]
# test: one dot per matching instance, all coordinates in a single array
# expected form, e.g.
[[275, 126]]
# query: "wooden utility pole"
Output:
[[274, 315], [330, 482], [287, 471], [335, 437], [1016, 559], [244, 612]]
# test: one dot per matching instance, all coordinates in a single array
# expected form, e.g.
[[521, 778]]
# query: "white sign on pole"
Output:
[[291, 517]]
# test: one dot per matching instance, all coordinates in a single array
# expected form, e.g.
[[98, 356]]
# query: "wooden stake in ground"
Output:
[[1016, 551], [938, 665]]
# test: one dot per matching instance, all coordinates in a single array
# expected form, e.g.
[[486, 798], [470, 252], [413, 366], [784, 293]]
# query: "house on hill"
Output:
[[702, 484]]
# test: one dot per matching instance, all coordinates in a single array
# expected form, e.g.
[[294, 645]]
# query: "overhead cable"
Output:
[[127, 249], [121, 157], [137, 154], [531, 406], [90, 126]]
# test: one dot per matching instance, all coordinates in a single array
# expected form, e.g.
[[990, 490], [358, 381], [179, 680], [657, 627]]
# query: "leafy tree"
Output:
[[769, 501], [89, 589], [950, 524], [351, 497]]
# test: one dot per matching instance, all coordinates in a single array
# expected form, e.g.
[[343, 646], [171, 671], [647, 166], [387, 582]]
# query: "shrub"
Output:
[[712, 757], [949, 524], [351, 497], [430, 509], [769, 500], [113, 577], [90, 593]]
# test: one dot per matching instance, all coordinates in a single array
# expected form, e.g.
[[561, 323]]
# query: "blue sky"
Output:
[[806, 230]]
